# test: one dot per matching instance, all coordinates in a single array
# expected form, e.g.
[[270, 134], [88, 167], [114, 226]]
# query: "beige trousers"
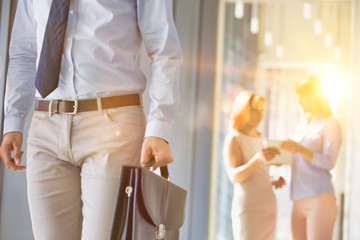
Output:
[[73, 168], [314, 218]]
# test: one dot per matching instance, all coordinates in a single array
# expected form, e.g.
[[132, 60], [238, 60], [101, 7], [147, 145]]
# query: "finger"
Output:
[[157, 161], [20, 168], [163, 159], [10, 164], [7, 159], [150, 164], [274, 151], [146, 159], [154, 166], [17, 156], [168, 158]]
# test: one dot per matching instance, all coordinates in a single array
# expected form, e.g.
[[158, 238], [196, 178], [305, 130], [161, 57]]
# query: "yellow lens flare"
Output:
[[333, 86]]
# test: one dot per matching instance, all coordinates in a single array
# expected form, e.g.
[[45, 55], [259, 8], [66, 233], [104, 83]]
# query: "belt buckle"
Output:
[[76, 104]]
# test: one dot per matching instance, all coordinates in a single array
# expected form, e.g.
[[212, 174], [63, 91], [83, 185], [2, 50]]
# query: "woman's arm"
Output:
[[331, 135], [326, 157], [237, 170], [294, 147]]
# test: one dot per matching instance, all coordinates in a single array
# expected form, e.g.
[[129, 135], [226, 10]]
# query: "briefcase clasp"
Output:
[[128, 190], [160, 232]]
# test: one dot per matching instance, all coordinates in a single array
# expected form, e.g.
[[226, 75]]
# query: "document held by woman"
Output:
[[285, 157]]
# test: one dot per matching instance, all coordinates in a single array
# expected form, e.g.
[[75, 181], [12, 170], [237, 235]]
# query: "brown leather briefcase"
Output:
[[148, 206]]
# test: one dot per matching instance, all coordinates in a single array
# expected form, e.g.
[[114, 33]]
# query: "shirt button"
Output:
[[71, 12], [69, 69]]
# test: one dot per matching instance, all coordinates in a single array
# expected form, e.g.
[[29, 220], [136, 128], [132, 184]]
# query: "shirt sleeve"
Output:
[[331, 145], [1, 66], [156, 24], [20, 86]]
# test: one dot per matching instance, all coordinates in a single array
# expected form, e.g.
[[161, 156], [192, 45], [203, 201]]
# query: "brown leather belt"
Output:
[[84, 105]]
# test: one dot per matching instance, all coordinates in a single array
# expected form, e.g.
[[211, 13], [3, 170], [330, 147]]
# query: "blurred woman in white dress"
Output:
[[254, 204]]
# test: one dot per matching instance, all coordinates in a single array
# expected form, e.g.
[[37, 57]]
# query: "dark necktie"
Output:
[[47, 76]]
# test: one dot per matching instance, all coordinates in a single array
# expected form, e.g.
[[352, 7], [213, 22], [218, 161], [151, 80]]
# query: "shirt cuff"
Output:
[[159, 129], [321, 161], [13, 124]]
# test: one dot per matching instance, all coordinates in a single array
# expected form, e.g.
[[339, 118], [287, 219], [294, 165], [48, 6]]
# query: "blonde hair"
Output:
[[311, 88], [240, 110]]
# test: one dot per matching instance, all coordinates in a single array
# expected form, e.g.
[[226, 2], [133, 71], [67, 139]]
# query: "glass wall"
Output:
[[268, 46]]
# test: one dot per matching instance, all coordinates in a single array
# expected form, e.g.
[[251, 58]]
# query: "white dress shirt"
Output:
[[1, 66], [101, 57]]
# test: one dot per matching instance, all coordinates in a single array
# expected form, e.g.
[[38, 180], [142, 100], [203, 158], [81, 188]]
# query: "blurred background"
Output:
[[262, 45]]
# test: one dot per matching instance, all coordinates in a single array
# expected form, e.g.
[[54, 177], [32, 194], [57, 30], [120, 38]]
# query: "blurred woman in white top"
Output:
[[254, 204], [315, 148]]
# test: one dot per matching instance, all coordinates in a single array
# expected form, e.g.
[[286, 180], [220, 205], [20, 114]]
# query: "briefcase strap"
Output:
[[164, 171]]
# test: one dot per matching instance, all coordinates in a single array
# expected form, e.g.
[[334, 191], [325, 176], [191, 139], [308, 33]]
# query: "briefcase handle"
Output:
[[164, 171]]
